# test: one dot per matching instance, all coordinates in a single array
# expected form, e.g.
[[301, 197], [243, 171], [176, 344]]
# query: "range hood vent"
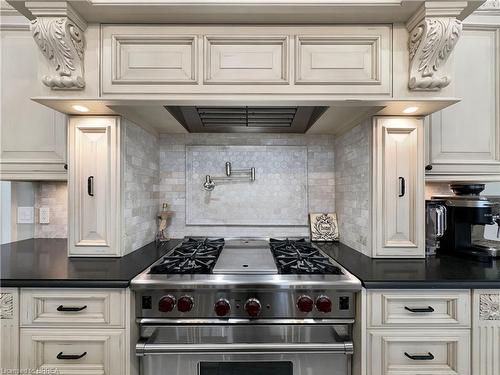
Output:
[[246, 119]]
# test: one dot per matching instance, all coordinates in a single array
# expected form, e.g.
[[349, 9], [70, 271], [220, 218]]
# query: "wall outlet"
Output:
[[44, 215], [26, 215]]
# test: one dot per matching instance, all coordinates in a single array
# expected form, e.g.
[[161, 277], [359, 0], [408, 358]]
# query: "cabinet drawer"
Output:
[[67, 307], [419, 308], [93, 351], [416, 352], [246, 60]]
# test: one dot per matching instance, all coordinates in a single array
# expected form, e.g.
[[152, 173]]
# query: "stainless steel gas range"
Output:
[[245, 306]]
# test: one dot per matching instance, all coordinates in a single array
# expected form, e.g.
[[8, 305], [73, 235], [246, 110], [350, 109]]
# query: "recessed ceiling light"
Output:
[[80, 108], [410, 110]]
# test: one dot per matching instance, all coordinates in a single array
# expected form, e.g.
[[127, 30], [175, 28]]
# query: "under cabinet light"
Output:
[[80, 108], [410, 110]]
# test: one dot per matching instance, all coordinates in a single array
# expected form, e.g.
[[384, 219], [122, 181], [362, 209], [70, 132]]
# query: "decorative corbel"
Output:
[[58, 32], [434, 32]]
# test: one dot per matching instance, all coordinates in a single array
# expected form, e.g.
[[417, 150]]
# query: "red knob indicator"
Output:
[[305, 304], [324, 304], [253, 307], [185, 304], [222, 307], [166, 303]]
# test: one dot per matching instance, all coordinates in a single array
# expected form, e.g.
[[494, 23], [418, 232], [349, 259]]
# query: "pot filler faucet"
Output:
[[231, 175]]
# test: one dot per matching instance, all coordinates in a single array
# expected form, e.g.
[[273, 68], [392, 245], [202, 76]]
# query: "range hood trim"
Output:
[[189, 118]]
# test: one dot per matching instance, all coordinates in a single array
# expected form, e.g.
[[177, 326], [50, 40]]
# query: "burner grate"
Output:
[[192, 256], [300, 257]]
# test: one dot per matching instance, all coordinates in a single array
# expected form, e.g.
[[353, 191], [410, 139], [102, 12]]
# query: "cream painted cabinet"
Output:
[[94, 186], [398, 182], [230, 59], [112, 166], [414, 332], [33, 137], [9, 330], [486, 332], [464, 140], [77, 331]]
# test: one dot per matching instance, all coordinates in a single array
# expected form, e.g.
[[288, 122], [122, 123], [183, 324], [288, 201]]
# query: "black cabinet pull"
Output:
[[427, 309], [425, 357], [63, 308], [71, 356], [402, 186], [428, 167], [90, 186]]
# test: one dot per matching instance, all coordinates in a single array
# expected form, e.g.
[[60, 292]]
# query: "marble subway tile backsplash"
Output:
[[352, 178], [172, 187], [140, 187], [53, 195]]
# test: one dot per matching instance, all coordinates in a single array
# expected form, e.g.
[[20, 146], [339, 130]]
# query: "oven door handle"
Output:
[[144, 348]]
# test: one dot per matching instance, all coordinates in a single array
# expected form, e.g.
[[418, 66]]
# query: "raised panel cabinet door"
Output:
[[72, 308], [418, 352], [419, 308], [398, 184], [328, 60], [9, 330], [73, 351], [246, 60], [464, 139], [94, 189], [486, 332], [33, 137]]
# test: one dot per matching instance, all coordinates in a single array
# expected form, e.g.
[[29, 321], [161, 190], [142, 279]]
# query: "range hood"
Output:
[[244, 119]]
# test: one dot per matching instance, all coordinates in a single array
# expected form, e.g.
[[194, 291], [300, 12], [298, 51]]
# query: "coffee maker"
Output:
[[466, 215]]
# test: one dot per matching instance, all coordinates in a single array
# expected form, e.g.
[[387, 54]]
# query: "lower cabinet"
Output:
[[486, 332], [9, 330], [68, 331], [415, 332], [419, 351], [73, 351]]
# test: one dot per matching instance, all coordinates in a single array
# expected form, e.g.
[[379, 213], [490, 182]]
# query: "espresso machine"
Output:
[[466, 214]]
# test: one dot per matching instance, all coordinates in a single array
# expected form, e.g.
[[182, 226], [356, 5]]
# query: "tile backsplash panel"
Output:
[[278, 196], [172, 188]]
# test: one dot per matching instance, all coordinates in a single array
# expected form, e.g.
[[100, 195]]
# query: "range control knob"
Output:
[[222, 307], [253, 307], [305, 304], [166, 304], [185, 304], [324, 304]]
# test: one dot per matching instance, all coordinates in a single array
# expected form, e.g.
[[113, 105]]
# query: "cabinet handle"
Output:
[[428, 167], [402, 186], [427, 309], [71, 356], [425, 357], [63, 308], [90, 186]]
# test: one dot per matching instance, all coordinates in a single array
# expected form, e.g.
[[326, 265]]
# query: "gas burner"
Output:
[[300, 257], [192, 256]]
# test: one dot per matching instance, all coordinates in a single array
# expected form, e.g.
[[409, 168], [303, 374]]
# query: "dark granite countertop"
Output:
[[45, 263], [438, 272]]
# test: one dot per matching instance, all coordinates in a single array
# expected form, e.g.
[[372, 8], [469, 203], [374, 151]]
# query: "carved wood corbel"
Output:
[[59, 33], [434, 32]]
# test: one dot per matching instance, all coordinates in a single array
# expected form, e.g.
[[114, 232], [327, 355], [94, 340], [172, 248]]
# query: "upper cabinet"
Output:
[[464, 139], [397, 192], [152, 59], [33, 137]]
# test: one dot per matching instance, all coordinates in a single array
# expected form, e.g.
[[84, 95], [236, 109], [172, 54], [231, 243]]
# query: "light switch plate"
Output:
[[26, 215], [44, 215]]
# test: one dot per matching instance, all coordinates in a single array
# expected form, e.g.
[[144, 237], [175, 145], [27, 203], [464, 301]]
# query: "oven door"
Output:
[[246, 350]]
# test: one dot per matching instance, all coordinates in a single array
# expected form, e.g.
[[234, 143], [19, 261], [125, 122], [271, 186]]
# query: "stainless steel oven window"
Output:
[[246, 368]]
